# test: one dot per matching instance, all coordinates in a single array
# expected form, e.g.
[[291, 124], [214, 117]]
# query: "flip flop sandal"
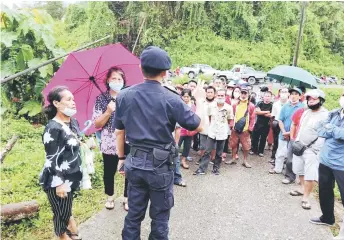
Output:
[[185, 167], [272, 171], [181, 184], [74, 236], [247, 165], [305, 205], [296, 193], [125, 206], [110, 204], [231, 162]]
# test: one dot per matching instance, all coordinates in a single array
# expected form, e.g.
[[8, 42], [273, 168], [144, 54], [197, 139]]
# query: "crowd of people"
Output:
[[306, 140]]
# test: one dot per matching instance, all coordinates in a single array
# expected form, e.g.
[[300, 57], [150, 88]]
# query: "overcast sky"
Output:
[[11, 3]]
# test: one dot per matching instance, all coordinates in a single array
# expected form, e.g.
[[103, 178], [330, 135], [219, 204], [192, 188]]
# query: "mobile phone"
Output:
[[121, 169]]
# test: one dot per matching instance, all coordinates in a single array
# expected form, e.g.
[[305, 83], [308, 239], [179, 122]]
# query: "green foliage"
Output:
[[28, 42], [19, 182], [332, 98]]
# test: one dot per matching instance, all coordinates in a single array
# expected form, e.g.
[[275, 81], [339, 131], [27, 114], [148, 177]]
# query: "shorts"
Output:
[[203, 141], [307, 165], [244, 138]]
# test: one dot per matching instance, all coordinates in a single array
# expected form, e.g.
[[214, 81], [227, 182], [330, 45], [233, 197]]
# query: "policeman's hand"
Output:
[[61, 191], [111, 107], [120, 167], [199, 92]]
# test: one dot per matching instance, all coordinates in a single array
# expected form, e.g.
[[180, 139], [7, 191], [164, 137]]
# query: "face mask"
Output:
[[69, 112], [284, 96], [341, 102], [210, 99], [314, 107], [220, 100], [236, 95], [115, 86]]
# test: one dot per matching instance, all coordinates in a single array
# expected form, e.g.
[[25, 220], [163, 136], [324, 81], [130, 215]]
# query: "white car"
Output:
[[196, 69], [248, 74]]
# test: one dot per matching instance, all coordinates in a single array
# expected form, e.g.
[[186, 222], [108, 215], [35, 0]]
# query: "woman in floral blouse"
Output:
[[103, 118], [61, 174]]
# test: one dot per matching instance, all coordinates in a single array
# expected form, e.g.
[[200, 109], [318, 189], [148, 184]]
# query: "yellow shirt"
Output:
[[240, 112]]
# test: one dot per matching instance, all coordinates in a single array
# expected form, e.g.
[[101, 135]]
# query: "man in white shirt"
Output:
[[220, 114], [210, 97], [276, 109]]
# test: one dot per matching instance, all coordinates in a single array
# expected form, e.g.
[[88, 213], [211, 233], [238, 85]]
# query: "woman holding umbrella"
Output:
[[103, 116]]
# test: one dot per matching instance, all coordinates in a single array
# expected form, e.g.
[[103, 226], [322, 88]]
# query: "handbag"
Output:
[[299, 148], [240, 124]]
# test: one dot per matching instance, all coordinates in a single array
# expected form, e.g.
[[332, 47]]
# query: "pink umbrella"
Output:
[[82, 71]]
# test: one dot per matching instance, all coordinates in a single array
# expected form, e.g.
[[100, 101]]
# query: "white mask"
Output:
[[236, 95], [341, 102], [69, 112], [284, 96], [116, 86], [220, 100]]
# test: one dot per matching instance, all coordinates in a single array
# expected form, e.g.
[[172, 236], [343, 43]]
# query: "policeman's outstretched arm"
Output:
[[120, 141]]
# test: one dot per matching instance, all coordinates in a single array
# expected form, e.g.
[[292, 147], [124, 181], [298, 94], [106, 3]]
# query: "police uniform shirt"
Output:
[[149, 112]]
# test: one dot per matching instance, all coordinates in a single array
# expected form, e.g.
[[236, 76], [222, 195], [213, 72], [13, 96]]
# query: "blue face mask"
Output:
[[115, 86]]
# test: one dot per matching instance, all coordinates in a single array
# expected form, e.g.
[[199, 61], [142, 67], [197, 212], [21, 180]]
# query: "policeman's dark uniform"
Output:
[[148, 113]]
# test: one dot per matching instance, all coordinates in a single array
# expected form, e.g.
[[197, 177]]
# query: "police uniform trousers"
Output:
[[147, 184]]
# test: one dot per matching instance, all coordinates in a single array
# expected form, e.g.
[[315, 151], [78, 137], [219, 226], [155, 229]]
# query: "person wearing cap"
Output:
[[284, 144], [244, 109], [331, 166], [230, 88], [147, 114], [306, 165]]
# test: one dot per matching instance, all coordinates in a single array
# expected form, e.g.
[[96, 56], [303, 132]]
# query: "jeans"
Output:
[[259, 136], [187, 140], [327, 177], [276, 131], [209, 148], [177, 173]]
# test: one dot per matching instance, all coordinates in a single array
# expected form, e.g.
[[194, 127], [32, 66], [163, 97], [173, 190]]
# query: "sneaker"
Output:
[[216, 171], [211, 162], [317, 220], [261, 155], [189, 159], [199, 172], [251, 153]]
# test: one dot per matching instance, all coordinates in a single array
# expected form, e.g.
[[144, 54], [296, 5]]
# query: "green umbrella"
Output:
[[293, 76]]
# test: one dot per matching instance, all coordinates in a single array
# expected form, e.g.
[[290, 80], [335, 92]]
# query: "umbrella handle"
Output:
[[87, 125]]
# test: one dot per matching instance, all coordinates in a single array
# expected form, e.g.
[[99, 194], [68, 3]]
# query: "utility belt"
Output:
[[162, 156]]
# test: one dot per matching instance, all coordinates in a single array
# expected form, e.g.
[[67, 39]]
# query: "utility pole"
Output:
[[303, 13]]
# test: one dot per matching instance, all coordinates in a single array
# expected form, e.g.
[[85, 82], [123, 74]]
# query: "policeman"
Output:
[[146, 114]]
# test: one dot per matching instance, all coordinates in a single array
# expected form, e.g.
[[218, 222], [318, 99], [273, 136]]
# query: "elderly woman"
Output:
[[61, 174], [103, 117]]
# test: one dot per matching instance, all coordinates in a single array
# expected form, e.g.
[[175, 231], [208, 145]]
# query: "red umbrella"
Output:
[[82, 71]]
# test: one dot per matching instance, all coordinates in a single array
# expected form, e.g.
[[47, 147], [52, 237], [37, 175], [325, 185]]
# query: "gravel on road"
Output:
[[238, 204]]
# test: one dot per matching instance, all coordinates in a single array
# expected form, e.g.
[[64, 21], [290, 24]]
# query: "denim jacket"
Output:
[[332, 153]]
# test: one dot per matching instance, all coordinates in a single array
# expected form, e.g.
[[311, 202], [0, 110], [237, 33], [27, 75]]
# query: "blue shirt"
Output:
[[149, 112], [332, 153], [287, 112]]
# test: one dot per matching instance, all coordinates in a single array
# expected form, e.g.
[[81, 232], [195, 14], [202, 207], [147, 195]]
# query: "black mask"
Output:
[[210, 99], [314, 107]]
